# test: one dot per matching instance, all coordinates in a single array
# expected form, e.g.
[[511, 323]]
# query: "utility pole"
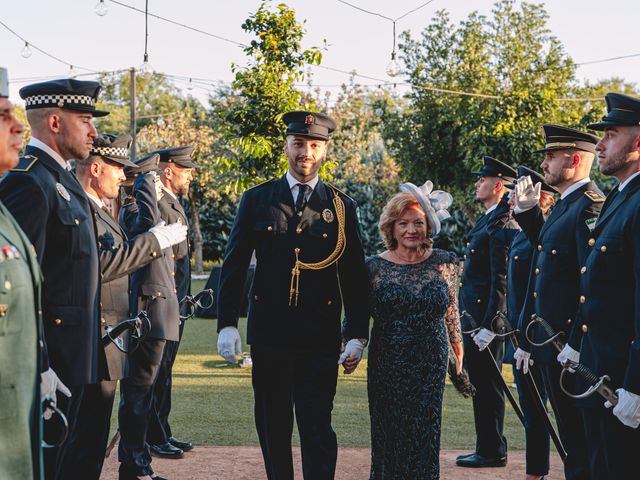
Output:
[[132, 112]]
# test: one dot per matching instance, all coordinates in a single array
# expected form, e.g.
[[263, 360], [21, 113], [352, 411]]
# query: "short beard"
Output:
[[613, 167]]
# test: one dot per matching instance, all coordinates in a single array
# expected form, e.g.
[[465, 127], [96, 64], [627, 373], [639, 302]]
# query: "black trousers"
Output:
[[612, 447], [488, 402], [285, 382], [83, 453], [135, 403], [536, 434], [569, 422], [159, 428]]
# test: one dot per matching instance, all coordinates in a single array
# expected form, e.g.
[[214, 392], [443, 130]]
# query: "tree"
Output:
[[253, 130]]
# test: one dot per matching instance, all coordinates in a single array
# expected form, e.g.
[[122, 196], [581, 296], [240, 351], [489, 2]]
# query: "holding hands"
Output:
[[351, 355]]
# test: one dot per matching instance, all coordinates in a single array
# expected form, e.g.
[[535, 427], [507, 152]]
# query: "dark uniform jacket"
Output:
[[266, 223], [609, 318], [53, 210], [21, 359], [118, 258], [559, 252], [152, 287], [171, 211], [484, 284]]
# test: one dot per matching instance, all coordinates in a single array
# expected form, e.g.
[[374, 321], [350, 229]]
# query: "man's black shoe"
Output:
[[464, 455], [184, 446], [478, 461], [166, 450], [126, 473]]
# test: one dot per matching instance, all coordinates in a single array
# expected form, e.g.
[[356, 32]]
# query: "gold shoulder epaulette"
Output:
[[25, 163], [333, 187], [261, 183], [594, 196]]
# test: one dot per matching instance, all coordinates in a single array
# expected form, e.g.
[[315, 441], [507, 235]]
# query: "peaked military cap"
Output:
[[558, 137], [622, 111], [145, 164], [495, 168], [535, 178], [66, 93], [178, 155], [113, 148], [4, 82], [309, 124]]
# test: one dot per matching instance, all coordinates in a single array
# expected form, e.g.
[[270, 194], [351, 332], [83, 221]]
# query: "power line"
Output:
[[384, 16]]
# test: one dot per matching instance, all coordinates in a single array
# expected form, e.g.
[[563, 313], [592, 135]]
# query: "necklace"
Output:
[[420, 258]]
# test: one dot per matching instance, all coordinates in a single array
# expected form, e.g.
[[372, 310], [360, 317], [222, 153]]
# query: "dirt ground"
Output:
[[245, 463]]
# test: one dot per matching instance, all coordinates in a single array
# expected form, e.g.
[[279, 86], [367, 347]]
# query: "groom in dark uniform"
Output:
[[310, 261]]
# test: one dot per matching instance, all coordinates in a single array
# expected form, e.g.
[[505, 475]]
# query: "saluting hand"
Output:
[[527, 194]]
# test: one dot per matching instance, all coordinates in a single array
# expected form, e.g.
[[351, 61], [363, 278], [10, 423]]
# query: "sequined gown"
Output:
[[415, 313]]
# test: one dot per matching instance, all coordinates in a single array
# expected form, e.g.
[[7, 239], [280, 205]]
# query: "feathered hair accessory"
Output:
[[434, 203]]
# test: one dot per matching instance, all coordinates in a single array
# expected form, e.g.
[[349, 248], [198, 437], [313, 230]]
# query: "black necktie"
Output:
[[301, 200]]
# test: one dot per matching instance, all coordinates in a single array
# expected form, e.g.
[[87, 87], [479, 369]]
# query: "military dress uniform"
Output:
[[119, 257], [518, 272], [21, 356], [51, 207], [152, 289], [171, 211], [608, 323], [482, 295], [294, 326], [552, 294]]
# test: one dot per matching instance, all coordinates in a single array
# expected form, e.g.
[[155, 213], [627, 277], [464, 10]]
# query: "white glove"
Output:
[[169, 235], [527, 194], [353, 348], [229, 344], [568, 354], [49, 384], [523, 360], [483, 338], [628, 408]]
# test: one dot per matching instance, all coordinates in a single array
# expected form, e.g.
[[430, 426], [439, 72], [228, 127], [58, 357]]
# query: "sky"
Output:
[[71, 30]]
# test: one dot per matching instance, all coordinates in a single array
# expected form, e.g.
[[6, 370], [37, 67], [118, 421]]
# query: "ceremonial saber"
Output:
[[533, 387], [498, 372]]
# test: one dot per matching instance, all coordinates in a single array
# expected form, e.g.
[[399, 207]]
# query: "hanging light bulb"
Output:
[[190, 86], [26, 51], [72, 73], [145, 70], [160, 122], [101, 8], [393, 69], [148, 107]]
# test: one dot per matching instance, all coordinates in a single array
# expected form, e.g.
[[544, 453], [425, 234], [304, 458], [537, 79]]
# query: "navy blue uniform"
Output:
[[560, 249], [608, 336], [482, 295], [295, 349]]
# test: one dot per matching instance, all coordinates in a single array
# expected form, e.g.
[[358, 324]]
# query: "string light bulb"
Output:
[[148, 107], [393, 69], [145, 70], [101, 8], [190, 86], [72, 73], [160, 122], [26, 51]]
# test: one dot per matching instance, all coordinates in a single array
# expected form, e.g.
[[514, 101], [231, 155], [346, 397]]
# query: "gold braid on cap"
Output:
[[341, 244]]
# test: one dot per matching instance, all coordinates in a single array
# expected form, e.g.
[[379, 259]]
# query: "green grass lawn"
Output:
[[213, 401]]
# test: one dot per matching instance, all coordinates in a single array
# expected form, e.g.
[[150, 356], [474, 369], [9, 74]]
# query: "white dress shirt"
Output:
[[34, 142], [293, 185]]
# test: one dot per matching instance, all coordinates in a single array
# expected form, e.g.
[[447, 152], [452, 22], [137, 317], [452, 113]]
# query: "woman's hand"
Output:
[[458, 351]]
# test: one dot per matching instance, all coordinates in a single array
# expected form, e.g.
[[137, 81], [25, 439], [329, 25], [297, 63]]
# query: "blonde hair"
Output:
[[392, 211]]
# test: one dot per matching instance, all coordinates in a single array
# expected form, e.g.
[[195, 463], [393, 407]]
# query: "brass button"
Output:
[[516, 257], [473, 250], [7, 285], [154, 254], [554, 251], [479, 301], [468, 243], [583, 299], [584, 329], [41, 343], [583, 269], [460, 284], [175, 291], [298, 230], [568, 321], [465, 256], [173, 256], [77, 221], [57, 321], [103, 321], [535, 294], [269, 228], [539, 248], [603, 248], [592, 242], [329, 302], [537, 271], [173, 273], [255, 297], [158, 293], [324, 235]]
